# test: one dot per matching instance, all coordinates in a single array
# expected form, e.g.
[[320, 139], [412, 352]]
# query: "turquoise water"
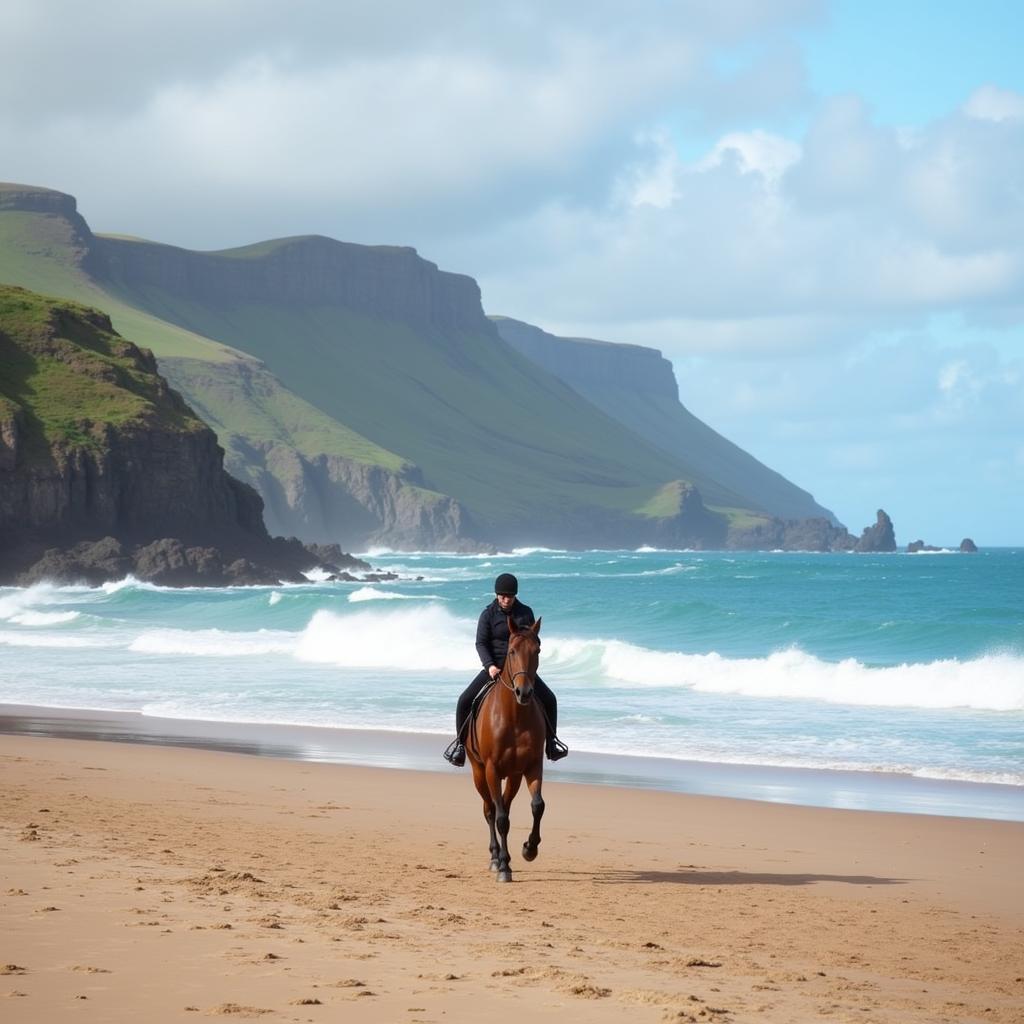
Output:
[[893, 663]]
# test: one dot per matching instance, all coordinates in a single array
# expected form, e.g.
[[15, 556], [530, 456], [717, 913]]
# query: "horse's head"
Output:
[[521, 661]]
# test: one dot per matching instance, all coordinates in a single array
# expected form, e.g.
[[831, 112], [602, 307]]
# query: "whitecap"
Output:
[[993, 682], [375, 594], [34, 618], [425, 639], [217, 643]]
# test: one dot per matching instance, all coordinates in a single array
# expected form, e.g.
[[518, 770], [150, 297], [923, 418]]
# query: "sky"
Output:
[[813, 208]]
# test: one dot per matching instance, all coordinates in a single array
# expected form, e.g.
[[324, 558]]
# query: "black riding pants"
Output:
[[541, 690]]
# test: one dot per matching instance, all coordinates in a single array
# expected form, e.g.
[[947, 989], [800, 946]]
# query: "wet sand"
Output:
[[853, 790], [167, 883]]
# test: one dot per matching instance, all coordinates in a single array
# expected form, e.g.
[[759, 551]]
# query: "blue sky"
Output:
[[915, 60], [815, 209]]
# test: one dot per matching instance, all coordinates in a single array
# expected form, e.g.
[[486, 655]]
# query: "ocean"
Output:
[[904, 665]]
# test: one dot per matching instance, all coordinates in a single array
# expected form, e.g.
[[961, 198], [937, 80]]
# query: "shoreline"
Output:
[[421, 752]]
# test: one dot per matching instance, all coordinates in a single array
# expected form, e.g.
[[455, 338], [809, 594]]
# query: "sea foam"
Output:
[[426, 638], [993, 682]]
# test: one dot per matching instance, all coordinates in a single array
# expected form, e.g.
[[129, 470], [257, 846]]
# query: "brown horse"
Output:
[[506, 744]]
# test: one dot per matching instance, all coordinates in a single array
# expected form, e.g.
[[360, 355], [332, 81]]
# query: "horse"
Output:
[[506, 744]]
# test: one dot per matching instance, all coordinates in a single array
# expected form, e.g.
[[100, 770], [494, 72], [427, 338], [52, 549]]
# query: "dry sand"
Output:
[[158, 884]]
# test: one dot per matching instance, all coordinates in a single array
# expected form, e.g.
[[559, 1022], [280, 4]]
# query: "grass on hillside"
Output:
[[40, 251], [244, 399], [485, 424], [70, 378]]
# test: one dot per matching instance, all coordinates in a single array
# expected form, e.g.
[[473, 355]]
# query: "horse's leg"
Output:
[[512, 784], [480, 781], [534, 781], [501, 822]]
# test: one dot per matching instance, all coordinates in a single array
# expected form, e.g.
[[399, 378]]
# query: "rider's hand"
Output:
[[494, 671]]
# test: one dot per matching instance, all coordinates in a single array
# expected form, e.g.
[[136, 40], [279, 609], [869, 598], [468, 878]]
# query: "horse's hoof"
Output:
[[494, 866], [504, 876], [529, 852]]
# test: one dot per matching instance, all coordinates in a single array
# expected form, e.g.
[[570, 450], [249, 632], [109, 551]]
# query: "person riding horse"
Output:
[[492, 636]]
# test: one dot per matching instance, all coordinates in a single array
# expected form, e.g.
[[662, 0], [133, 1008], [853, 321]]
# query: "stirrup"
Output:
[[455, 753], [556, 749]]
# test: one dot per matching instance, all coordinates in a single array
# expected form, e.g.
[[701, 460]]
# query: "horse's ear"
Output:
[[536, 626], [513, 629]]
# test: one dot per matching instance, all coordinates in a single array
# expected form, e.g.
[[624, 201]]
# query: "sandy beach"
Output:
[[144, 881]]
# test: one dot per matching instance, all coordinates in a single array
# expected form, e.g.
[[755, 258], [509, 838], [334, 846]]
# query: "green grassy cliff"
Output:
[[638, 387], [94, 442], [366, 395]]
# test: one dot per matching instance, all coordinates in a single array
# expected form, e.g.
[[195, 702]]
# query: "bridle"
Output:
[[510, 681]]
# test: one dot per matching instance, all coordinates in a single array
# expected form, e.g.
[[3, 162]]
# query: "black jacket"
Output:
[[492, 631]]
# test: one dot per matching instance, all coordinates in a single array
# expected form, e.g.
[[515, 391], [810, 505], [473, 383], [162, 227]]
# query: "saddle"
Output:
[[556, 749]]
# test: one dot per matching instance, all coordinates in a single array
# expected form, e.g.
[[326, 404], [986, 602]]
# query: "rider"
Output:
[[492, 646]]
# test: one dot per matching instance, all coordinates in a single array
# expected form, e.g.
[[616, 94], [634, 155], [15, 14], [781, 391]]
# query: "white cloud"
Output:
[[215, 124], [990, 103], [756, 152], [768, 244]]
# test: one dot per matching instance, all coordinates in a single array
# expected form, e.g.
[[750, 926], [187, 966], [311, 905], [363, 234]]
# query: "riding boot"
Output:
[[553, 746], [455, 755]]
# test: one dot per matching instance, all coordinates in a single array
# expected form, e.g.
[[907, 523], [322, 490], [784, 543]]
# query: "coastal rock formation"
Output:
[[359, 504], [968, 546], [813, 534], [355, 387], [686, 523], [100, 459], [919, 545], [878, 537]]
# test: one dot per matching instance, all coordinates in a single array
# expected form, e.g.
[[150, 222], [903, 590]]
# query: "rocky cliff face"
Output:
[[332, 498], [377, 281], [95, 444], [587, 364], [30, 199], [155, 468], [296, 459]]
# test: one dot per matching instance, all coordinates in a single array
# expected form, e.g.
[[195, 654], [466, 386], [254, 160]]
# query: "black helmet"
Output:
[[506, 583]]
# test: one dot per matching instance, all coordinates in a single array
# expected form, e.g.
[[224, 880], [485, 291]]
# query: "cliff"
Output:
[[318, 480], [94, 445], [637, 386], [363, 392]]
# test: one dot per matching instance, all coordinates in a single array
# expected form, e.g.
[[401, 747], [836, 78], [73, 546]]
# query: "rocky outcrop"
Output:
[[691, 525], [169, 562], [96, 447], [968, 546], [879, 537], [93, 441], [813, 534], [356, 503], [919, 545]]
